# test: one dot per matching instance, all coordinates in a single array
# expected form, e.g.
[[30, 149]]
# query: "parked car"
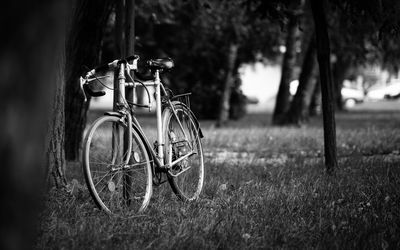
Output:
[[392, 90], [352, 96]]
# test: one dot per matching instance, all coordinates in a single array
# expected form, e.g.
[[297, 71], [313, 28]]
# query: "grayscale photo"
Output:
[[200, 124]]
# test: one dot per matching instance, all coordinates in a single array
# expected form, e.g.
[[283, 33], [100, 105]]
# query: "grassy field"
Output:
[[265, 187]]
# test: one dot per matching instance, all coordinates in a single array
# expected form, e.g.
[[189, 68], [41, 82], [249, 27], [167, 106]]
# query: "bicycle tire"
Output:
[[120, 189], [188, 185]]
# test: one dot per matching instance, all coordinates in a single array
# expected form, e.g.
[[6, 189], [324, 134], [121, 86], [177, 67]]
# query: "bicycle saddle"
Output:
[[162, 63]]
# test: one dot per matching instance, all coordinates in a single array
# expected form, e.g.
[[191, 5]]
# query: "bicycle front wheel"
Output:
[[182, 139], [118, 185]]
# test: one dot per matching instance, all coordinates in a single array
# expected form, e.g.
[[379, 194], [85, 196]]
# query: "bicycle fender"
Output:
[[193, 116], [197, 123]]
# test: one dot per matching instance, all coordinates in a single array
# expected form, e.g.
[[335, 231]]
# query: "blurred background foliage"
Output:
[[197, 35]]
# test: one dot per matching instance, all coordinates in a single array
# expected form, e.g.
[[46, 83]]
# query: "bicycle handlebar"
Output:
[[84, 81], [110, 65]]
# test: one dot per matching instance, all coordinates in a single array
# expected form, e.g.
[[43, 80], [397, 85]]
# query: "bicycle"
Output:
[[120, 165]]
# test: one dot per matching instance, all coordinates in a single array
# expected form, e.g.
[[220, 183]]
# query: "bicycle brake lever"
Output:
[[97, 78], [82, 82]]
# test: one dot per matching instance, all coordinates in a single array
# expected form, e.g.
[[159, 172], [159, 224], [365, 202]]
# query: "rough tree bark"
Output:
[[289, 61], [328, 103], [229, 80], [82, 48], [28, 65], [299, 107], [55, 154]]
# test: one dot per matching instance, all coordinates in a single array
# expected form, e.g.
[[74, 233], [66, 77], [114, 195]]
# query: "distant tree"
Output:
[[233, 23], [316, 101], [288, 65], [289, 62], [299, 107], [224, 105]]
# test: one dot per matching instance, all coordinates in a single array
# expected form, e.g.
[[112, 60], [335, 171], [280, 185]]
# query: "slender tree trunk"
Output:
[[298, 111], [289, 61], [328, 107], [130, 27], [125, 38], [339, 74], [316, 102], [229, 80], [120, 48], [125, 35], [82, 49], [34, 31], [125, 28]]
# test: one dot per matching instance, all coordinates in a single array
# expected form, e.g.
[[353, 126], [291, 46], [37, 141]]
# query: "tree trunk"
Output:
[[298, 111], [82, 49], [55, 154], [125, 37], [229, 81], [339, 75], [328, 107], [120, 48], [34, 31], [289, 61], [130, 27], [125, 28], [316, 102]]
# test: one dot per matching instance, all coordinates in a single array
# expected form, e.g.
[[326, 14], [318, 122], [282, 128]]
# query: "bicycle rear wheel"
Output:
[[118, 186], [189, 173]]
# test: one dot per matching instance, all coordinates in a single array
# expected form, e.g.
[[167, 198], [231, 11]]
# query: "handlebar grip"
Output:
[[93, 93]]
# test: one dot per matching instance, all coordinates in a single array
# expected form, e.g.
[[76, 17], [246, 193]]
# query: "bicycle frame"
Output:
[[120, 165], [132, 121]]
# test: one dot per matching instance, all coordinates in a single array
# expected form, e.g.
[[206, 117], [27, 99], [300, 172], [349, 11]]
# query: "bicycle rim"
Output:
[[189, 182], [118, 188]]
